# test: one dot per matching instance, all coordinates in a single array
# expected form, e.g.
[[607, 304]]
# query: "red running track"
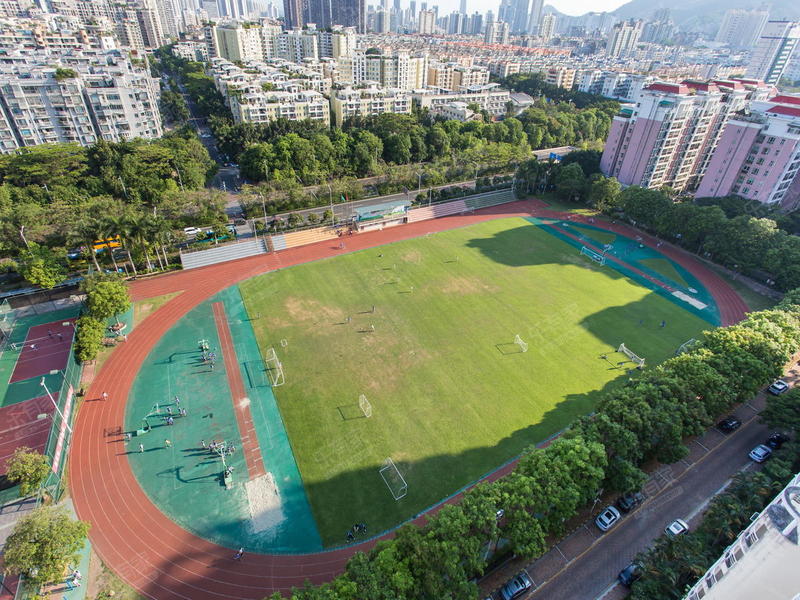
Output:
[[241, 405], [135, 539]]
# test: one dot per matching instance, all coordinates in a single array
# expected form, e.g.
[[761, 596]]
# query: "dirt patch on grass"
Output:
[[304, 310], [412, 256], [465, 285], [105, 585]]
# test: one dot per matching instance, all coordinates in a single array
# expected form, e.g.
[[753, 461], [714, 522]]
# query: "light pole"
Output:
[[330, 199], [419, 182], [49, 395]]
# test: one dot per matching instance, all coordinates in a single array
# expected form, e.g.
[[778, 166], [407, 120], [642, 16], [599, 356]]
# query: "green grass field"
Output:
[[452, 396], [664, 267]]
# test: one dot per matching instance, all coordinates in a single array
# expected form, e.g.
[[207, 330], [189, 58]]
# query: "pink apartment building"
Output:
[[758, 156], [669, 135]]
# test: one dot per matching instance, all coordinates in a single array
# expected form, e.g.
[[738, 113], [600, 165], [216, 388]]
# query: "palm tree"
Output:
[[107, 230], [139, 232], [121, 224], [84, 233]]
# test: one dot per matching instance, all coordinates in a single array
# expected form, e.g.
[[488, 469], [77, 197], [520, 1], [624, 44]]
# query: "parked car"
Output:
[[728, 424], [191, 231], [676, 528], [607, 519], [630, 574], [760, 453], [776, 440], [515, 587], [627, 502], [778, 387]]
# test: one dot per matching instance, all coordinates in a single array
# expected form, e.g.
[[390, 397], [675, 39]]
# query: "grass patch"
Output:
[[753, 299], [452, 396], [556, 203], [141, 310], [665, 268], [105, 585]]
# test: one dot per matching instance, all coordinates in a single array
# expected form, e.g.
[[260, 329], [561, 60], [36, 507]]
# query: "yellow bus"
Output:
[[100, 245]]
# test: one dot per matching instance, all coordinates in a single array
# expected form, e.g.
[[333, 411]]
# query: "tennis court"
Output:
[[46, 348], [25, 424]]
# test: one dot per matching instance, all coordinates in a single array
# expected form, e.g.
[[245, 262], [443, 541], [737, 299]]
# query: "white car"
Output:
[[191, 231], [607, 519], [778, 387], [676, 528], [760, 453]]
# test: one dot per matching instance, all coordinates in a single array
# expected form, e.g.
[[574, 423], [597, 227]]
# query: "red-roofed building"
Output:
[[785, 99], [668, 134], [758, 156]]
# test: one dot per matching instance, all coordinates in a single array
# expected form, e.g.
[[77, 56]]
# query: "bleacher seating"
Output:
[[487, 199], [308, 236], [223, 253]]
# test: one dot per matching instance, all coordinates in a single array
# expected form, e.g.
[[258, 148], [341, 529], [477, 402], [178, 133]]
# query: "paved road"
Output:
[[586, 563]]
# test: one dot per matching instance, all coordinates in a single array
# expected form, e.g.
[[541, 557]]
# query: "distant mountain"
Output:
[[698, 15], [703, 15]]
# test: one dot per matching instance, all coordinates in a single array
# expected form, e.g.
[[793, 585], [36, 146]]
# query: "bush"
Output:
[[88, 338]]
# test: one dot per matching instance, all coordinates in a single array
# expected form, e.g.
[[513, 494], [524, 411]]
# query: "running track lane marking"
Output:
[[241, 405]]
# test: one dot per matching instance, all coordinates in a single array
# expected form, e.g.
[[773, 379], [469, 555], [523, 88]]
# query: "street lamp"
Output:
[[419, 182], [49, 395], [330, 199]]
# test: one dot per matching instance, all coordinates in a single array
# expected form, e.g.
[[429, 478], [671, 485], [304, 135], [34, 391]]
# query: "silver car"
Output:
[[607, 519]]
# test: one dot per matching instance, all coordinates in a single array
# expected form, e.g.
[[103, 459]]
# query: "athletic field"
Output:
[[452, 395]]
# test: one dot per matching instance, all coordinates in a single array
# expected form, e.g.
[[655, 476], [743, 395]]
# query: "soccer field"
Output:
[[452, 396]]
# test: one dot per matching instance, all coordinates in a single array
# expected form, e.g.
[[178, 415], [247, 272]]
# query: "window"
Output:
[[771, 140], [760, 161], [745, 190]]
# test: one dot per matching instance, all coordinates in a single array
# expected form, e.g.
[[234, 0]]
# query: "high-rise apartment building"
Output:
[[400, 70], [150, 27], [427, 22], [547, 27], [624, 37], [773, 50], [97, 95], [497, 32], [535, 16], [758, 156], [741, 28], [668, 137], [349, 13], [293, 13]]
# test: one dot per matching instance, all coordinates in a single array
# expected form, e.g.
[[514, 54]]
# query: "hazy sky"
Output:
[[570, 7]]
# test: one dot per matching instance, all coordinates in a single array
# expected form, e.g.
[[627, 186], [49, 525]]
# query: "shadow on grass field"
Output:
[[452, 397]]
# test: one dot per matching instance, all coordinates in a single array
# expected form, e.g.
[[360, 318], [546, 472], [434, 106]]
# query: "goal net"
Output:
[[637, 359], [595, 256], [522, 345], [274, 368], [393, 479], [365, 406], [686, 346]]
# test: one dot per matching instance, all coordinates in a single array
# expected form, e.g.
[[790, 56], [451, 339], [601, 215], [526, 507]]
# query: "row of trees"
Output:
[[642, 420], [725, 230], [673, 563], [57, 197]]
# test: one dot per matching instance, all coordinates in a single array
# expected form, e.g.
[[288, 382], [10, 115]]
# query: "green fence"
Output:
[[60, 437]]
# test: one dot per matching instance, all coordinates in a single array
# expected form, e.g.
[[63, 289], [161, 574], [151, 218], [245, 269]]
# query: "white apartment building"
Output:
[[773, 50], [453, 76], [296, 45], [497, 32], [263, 106], [561, 76], [400, 70], [86, 97], [624, 37], [490, 98], [367, 101], [454, 111], [741, 28], [427, 22]]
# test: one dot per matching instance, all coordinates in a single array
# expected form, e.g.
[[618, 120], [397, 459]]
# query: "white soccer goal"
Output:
[[393, 479], [365, 406], [686, 346], [595, 256], [637, 359], [274, 368], [522, 345]]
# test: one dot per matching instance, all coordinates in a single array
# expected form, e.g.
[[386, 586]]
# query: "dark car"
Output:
[[776, 440], [514, 588], [729, 424], [629, 574], [627, 502]]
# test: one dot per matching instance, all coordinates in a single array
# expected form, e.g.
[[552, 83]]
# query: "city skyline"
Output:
[[568, 7]]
